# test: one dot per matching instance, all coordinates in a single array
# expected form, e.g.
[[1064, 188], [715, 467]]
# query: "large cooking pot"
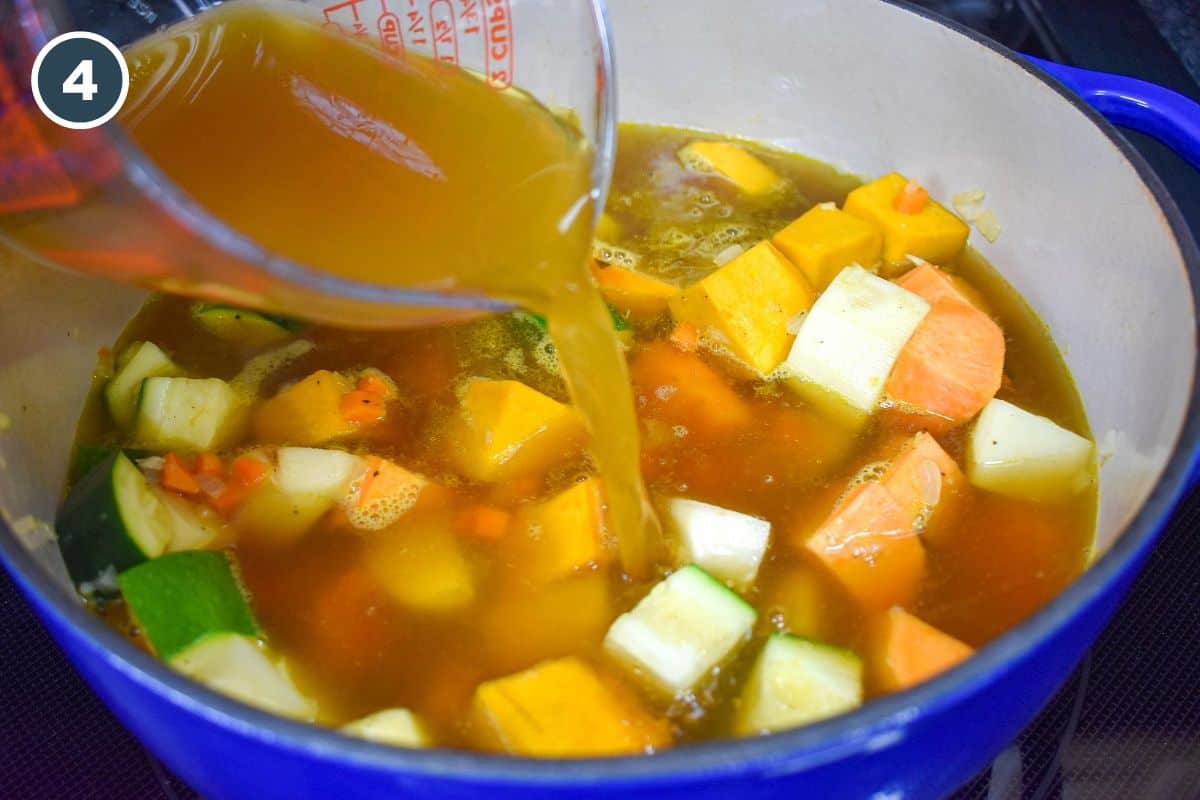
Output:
[[1090, 239]]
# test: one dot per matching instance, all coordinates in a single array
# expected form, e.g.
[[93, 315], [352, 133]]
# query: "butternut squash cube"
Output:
[[903, 651], [745, 306], [504, 429], [421, 566], [305, 413], [563, 709], [732, 162], [632, 292], [933, 234], [823, 240], [566, 531]]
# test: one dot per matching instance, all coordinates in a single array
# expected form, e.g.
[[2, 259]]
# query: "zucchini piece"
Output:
[[237, 666], [111, 520], [87, 456], [687, 625], [398, 727], [727, 544], [239, 325], [182, 598], [137, 362], [797, 681], [188, 414]]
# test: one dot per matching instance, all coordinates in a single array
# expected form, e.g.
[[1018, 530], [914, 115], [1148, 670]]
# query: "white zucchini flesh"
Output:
[[1018, 454], [237, 666], [139, 361], [797, 681], [316, 472], [686, 626], [398, 727], [727, 544], [851, 337], [193, 414]]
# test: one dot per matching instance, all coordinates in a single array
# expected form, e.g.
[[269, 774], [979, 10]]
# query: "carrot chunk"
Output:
[[870, 546], [177, 477], [209, 464], [953, 363], [229, 498], [912, 199], [903, 651], [247, 471], [483, 522]]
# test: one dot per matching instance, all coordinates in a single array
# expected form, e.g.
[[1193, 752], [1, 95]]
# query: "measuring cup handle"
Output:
[[1155, 110]]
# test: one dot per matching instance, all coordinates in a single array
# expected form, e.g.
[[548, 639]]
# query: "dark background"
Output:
[[1126, 726]]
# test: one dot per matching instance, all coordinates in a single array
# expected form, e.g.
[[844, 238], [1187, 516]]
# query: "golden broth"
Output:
[[404, 172], [357, 652]]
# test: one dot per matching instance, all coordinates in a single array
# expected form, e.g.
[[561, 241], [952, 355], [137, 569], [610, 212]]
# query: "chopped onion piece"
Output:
[[829, 206], [728, 254], [988, 225], [211, 485], [929, 482], [969, 205]]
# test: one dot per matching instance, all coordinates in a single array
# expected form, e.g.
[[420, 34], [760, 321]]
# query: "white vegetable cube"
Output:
[[797, 681], [687, 625], [315, 472], [398, 727], [726, 544], [851, 337], [1018, 454]]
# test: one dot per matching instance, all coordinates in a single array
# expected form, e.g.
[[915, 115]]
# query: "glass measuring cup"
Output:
[[91, 201]]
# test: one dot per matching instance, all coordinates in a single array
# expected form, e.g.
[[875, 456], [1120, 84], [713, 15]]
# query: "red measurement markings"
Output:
[[445, 37], [391, 38], [418, 28], [470, 21], [30, 174], [357, 26], [498, 48]]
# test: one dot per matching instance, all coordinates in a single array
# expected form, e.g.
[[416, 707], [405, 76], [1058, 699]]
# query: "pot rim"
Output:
[[873, 726]]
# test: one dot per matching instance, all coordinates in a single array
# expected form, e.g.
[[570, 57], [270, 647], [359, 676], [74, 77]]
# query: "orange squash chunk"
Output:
[[305, 413], [870, 546], [903, 651], [563, 709], [953, 363]]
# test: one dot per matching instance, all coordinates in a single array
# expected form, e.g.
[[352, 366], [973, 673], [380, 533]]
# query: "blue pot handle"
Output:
[[1131, 103]]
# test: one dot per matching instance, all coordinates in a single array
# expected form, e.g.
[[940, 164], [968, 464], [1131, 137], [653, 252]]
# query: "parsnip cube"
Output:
[[1018, 454], [851, 338]]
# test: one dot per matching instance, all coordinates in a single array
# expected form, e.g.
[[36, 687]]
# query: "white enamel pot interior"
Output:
[[1090, 239]]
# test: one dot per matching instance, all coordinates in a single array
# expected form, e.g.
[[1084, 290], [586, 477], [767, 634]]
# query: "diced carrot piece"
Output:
[[912, 198], [902, 651], [248, 471], [209, 464], [927, 482], [362, 407], [952, 365], [522, 487], [680, 388], [685, 336], [483, 522], [563, 709], [869, 545], [177, 477], [229, 498]]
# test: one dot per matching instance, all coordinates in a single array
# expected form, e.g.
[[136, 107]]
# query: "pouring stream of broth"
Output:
[[402, 172]]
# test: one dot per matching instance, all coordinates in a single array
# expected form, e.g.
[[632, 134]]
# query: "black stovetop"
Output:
[[1126, 726]]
